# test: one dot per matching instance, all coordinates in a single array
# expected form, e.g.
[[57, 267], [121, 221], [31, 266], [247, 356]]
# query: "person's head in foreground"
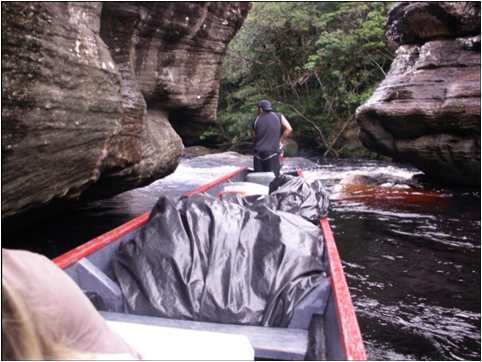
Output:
[[22, 335]]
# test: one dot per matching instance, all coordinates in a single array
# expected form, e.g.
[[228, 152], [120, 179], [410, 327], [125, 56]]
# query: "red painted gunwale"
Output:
[[74, 255], [214, 183], [350, 334], [349, 330]]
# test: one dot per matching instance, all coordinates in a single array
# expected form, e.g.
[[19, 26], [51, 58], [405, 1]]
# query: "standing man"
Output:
[[271, 131]]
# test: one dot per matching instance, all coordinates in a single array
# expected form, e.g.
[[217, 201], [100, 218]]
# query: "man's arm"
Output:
[[286, 130], [253, 129]]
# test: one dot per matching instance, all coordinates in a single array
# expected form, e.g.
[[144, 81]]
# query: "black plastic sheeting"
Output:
[[206, 259], [291, 194]]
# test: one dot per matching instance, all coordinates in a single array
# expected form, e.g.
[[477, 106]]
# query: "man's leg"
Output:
[[275, 165], [266, 165], [258, 164]]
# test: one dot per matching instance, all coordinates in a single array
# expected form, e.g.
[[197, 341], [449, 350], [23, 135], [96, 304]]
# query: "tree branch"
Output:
[[313, 124], [378, 65], [335, 139]]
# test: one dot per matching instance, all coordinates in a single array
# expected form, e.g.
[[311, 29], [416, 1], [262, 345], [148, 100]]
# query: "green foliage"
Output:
[[317, 62]]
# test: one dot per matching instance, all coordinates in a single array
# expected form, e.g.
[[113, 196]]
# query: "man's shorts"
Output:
[[265, 162]]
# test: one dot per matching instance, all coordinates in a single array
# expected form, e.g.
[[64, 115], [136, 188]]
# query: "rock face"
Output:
[[427, 110], [93, 93]]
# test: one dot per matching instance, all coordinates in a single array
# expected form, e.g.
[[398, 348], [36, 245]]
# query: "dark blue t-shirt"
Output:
[[267, 128]]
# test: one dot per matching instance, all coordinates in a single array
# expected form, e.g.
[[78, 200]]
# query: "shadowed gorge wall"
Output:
[[93, 93]]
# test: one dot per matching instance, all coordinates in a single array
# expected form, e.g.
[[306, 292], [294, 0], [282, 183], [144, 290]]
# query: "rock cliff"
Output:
[[95, 95], [427, 110]]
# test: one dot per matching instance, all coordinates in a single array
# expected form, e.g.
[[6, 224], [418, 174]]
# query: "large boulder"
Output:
[[93, 93], [427, 110]]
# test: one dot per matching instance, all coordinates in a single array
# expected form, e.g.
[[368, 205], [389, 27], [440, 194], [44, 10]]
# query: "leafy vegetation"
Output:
[[317, 62]]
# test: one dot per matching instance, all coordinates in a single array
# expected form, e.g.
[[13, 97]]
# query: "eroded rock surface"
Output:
[[427, 110], [93, 93]]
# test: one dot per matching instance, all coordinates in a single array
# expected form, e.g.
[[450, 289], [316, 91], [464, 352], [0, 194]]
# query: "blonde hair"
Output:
[[22, 334]]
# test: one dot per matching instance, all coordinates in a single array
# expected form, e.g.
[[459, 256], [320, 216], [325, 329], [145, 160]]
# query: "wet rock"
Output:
[[386, 191], [93, 93], [419, 22], [170, 53], [427, 110], [379, 179]]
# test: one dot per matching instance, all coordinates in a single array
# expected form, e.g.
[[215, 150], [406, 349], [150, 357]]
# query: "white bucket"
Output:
[[262, 178], [246, 188]]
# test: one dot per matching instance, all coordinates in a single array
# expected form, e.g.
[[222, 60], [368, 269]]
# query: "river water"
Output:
[[411, 257]]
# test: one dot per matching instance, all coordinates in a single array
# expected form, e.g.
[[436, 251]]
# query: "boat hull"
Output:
[[335, 335]]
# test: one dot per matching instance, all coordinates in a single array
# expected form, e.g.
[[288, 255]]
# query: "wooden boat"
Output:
[[333, 335]]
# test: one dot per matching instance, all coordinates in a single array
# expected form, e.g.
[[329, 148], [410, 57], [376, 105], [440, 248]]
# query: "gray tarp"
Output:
[[206, 259]]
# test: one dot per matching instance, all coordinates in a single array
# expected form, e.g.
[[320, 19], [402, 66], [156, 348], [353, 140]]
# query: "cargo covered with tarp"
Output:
[[230, 260]]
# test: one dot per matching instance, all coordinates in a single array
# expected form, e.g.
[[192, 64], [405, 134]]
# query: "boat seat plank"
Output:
[[174, 344], [268, 343]]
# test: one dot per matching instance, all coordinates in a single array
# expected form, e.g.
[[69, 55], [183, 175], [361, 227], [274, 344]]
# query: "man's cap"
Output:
[[265, 105]]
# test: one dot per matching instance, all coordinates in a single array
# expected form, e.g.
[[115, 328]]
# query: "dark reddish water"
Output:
[[412, 258]]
